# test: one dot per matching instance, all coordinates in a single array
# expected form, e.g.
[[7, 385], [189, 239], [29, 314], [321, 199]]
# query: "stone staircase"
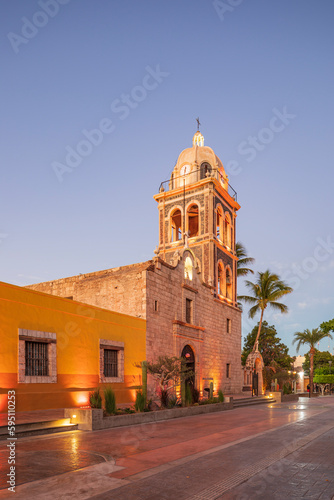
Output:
[[256, 400], [37, 428]]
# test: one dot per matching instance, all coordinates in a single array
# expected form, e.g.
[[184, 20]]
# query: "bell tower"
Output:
[[197, 211]]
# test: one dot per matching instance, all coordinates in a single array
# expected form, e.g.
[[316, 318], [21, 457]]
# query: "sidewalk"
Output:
[[27, 417], [267, 449]]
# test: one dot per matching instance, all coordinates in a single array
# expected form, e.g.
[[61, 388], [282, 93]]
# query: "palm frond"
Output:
[[265, 292], [253, 310], [309, 337], [243, 260], [279, 306]]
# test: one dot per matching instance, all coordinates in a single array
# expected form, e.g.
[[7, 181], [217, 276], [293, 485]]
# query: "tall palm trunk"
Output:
[[259, 330], [312, 350]]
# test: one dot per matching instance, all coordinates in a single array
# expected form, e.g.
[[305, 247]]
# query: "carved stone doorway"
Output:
[[253, 377], [189, 360]]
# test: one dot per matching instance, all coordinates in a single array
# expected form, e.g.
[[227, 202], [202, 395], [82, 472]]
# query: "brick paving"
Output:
[[306, 473], [269, 452], [197, 479]]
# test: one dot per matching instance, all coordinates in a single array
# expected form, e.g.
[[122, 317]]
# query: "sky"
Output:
[[100, 97]]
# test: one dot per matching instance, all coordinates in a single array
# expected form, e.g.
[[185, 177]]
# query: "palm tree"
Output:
[[243, 260], [267, 289], [310, 338]]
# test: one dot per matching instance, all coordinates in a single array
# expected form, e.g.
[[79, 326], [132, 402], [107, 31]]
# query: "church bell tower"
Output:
[[197, 212]]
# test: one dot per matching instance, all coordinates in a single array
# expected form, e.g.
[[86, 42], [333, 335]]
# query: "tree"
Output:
[[323, 378], [320, 360], [310, 338], [270, 347], [243, 260], [169, 372], [327, 326], [275, 354], [266, 291]]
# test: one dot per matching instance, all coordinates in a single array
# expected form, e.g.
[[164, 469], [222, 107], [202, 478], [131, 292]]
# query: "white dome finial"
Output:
[[198, 139]]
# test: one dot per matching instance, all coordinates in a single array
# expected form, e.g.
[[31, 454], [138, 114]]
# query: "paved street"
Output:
[[273, 451]]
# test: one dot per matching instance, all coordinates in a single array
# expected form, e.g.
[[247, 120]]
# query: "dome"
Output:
[[199, 157]]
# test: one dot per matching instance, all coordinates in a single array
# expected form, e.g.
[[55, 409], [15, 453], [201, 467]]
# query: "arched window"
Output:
[[219, 221], [176, 225], [227, 230], [192, 215], [189, 355], [188, 268], [220, 283], [205, 170], [228, 284]]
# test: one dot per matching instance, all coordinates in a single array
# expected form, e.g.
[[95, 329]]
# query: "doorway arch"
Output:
[[253, 369], [188, 357]]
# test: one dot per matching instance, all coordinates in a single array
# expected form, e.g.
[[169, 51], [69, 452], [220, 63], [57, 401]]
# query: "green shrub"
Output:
[[109, 400], [95, 399], [172, 401], [209, 401], [189, 395], [140, 401], [220, 396], [128, 410]]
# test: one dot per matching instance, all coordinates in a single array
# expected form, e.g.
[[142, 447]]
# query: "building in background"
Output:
[[302, 379]]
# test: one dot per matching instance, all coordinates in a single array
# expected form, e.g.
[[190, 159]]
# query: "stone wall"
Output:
[[168, 332], [121, 289]]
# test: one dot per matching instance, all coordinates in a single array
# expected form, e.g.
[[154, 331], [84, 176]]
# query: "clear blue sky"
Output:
[[239, 65]]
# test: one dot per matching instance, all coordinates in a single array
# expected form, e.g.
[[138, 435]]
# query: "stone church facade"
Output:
[[188, 292]]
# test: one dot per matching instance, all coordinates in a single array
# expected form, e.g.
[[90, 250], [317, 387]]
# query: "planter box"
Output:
[[276, 395], [87, 418], [92, 419], [290, 397], [307, 395]]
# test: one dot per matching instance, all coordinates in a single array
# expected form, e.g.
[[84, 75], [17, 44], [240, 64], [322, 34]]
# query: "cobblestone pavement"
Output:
[[275, 451]]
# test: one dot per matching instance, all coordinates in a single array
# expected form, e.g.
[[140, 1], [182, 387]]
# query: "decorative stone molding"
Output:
[[185, 330], [119, 347], [36, 336]]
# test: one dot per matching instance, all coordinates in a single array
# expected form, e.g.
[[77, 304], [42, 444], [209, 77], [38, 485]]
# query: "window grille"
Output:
[[36, 358], [110, 363]]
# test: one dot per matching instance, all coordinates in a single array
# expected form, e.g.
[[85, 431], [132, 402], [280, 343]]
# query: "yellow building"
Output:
[[54, 350]]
